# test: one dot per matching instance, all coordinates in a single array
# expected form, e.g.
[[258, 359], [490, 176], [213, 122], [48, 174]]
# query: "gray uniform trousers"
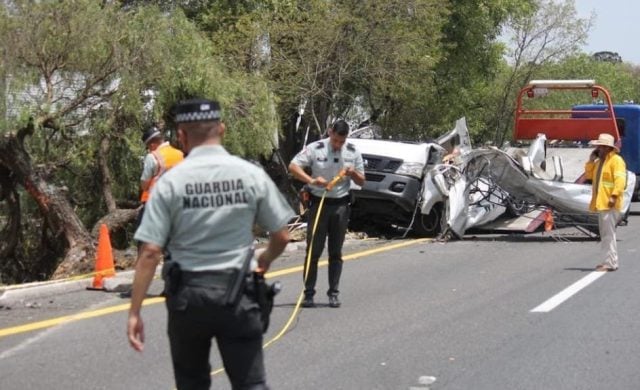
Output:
[[332, 224], [195, 316]]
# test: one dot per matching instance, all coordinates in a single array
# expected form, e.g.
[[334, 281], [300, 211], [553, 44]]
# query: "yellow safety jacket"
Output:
[[612, 181], [166, 158]]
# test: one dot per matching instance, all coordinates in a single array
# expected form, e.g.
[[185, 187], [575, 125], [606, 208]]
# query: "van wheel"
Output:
[[429, 225]]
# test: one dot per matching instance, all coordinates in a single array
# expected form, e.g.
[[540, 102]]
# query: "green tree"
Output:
[[70, 150], [333, 58], [412, 66], [546, 32], [472, 60], [620, 79]]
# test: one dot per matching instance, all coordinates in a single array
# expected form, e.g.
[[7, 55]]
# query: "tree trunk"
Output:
[[60, 217], [117, 219], [10, 234], [103, 152]]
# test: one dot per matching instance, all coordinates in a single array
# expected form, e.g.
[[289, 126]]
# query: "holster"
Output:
[[264, 294], [172, 276], [238, 283]]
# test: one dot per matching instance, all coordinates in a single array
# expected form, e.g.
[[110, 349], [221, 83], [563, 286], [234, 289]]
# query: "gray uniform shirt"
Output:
[[327, 163], [150, 166], [203, 210]]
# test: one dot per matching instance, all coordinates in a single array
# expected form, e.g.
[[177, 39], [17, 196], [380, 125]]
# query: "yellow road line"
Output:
[[75, 317], [150, 301], [50, 282], [352, 256]]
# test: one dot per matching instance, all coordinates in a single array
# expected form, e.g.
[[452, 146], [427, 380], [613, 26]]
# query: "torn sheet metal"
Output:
[[482, 184]]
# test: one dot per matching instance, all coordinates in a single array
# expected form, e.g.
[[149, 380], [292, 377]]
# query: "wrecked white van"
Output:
[[408, 185], [394, 175]]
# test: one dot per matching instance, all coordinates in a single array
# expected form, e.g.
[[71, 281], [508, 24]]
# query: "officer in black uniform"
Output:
[[326, 159], [203, 211]]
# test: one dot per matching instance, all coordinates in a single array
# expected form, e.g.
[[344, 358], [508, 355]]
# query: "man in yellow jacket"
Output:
[[608, 174]]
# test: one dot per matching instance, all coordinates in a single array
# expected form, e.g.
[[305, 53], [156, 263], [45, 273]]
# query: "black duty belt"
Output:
[[331, 201], [208, 278]]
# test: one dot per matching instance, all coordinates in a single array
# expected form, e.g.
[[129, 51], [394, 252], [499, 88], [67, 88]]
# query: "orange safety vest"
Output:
[[166, 158]]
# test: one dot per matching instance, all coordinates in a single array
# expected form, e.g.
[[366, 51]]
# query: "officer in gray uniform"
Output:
[[203, 211], [326, 159]]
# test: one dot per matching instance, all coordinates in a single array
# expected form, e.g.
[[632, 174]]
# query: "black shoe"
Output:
[[334, 301], [308, 302]]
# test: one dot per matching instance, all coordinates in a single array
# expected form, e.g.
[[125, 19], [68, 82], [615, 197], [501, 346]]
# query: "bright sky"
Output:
[[616, 27]]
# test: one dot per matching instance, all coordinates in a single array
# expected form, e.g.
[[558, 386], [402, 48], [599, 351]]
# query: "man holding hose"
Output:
[[327, 159]]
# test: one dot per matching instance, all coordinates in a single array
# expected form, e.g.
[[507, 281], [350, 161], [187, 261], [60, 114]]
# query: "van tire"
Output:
[[429, 225]]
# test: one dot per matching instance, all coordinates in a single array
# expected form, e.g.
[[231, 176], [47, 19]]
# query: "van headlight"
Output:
[[411, 169]]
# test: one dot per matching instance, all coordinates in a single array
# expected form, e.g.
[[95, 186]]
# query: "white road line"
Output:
[[567, 293]]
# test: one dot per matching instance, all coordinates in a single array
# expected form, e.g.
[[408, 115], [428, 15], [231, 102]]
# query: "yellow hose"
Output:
[[296, 308]]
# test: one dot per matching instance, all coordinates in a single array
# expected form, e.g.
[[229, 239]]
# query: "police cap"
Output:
[[150, 134], [197, 110]]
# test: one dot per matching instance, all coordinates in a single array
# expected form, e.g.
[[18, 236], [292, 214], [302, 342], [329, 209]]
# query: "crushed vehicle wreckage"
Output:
[[447, 187], [491, 183]]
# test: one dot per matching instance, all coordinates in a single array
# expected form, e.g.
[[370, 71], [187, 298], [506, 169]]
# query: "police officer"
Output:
[[160, 158], [203, 212], [326, 159]]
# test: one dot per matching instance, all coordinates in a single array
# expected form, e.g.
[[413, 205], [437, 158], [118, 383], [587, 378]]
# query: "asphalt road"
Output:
[[459, 311]]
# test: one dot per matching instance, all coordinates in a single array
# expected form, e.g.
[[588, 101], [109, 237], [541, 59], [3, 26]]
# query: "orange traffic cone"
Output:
[[104, 260], [548, 220]]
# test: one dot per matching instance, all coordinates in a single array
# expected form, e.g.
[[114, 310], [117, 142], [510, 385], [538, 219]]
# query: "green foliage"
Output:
[[539, 32], [411, 66], [91, 73], [400, 45], [619, 79], [472, 61], [113, 67], [339, 57], [247, 103]]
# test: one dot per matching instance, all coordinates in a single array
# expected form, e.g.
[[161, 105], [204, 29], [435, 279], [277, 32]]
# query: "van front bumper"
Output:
[[379, 188]]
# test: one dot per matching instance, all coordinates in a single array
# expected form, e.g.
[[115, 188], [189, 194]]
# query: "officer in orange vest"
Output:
[[161, 157]]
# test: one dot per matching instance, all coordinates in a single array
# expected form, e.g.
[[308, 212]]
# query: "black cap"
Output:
[[197, 110], [150, 133]]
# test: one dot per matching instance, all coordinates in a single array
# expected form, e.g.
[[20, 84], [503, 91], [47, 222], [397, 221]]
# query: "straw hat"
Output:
[[605, 139]]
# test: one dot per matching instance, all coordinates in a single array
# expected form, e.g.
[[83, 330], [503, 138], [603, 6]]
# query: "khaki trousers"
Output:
[[607, 222]]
